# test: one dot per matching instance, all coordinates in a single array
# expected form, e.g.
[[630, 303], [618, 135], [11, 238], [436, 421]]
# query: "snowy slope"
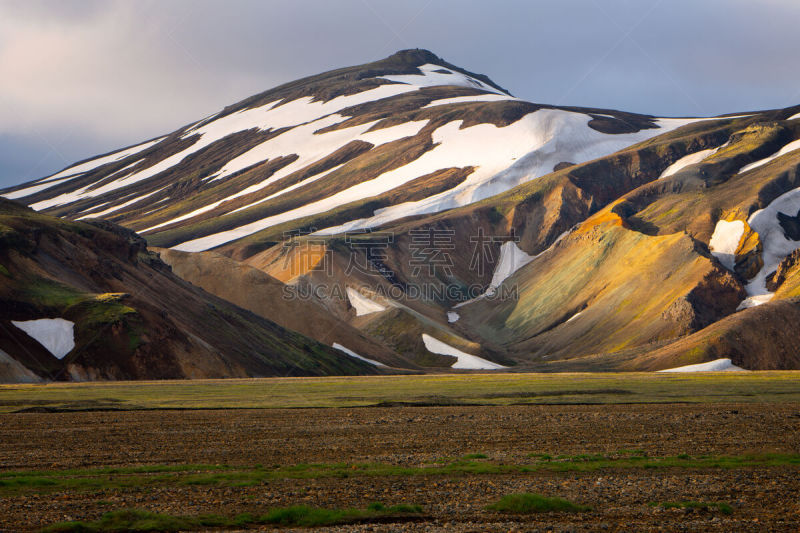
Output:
[[55, 334], [362, 304], [792, 146], [718, 365], [725, 241], [775, 242], [505, 157], [465, 361], [140, 186], [511, 260], [688, 160], [351, 353]]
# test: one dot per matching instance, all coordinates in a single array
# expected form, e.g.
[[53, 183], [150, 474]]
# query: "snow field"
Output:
[[362, 304], [465, 360], [55, 334], [792, 146], [775, 244], [718, 365], [687, 160], [725, 241], [351, 353], [505, 157]]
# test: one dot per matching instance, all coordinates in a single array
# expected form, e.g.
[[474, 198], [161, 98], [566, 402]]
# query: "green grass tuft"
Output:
[[305, 516], [299, 515], [722, 507], [526, 503], [471, 456], [129, 520]]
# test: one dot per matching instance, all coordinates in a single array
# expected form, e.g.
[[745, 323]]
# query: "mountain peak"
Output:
[[414, 56]]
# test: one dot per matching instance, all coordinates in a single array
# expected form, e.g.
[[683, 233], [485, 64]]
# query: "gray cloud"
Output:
[[84, 77]]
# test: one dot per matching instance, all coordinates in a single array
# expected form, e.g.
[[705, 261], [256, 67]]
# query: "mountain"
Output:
[[421, 216], [404, 136], [86, 301]]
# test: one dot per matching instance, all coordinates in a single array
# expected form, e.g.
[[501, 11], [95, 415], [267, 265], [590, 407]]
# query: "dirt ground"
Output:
[[762, 498]]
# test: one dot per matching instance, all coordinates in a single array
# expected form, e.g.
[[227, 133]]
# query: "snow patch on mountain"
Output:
[[309, 146], [287, 114], [792, 146], [573, 317], [793, 117], [505, 157], [776, 245], [718, 365], [362, 304], [92, 164], [27, 191], [73, 172], [512, 258], [303, 183], [271, 116], [55, 334], [687, 160], [430, 78], [755, 300], [353, 354], [465, 360], [490, 290], [470, 99], [452, 316], [120, 206], [725, 241]]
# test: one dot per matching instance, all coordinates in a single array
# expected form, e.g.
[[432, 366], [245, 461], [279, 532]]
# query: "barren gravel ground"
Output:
[[762, 498]]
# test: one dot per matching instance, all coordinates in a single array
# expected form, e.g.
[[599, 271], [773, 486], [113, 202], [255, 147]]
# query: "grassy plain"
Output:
[[419, 390]]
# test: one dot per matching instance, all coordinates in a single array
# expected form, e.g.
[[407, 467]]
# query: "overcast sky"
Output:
[[83, 77]]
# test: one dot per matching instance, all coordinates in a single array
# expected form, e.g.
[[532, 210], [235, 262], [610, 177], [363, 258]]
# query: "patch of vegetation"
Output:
[[51, 294], [471, 456], [527, 503], [105, 308], [495, 215], [473, 389], [120, 521], [722, 507], [300, 515], [759, 140], [22, 482], [4, 271], [11, 238], [305, 516], [625, 451]]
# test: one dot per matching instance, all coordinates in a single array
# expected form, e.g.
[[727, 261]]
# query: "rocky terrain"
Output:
[[761, 498]]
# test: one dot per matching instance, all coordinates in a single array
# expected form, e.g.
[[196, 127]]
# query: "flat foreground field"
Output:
[[708, 453], [424, 390]]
